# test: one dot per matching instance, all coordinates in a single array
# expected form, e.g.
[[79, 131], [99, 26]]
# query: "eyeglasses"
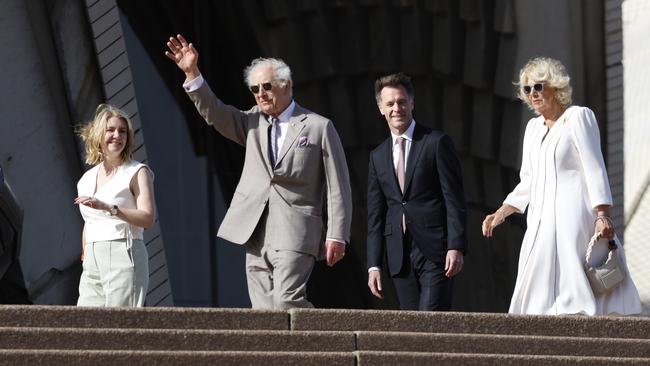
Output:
[[256, 88], [527, 89]]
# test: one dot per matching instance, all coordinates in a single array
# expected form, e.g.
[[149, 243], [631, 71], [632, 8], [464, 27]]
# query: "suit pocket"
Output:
[[295, 230], [130, 254]]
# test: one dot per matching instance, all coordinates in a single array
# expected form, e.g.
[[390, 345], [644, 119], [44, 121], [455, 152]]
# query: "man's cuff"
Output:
[[332, 239], [193, 84], [373, 269]]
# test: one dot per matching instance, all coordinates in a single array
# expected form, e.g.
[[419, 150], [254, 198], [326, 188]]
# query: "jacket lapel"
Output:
[[296, 124], [263, 132], [388, 161], [414, 155]]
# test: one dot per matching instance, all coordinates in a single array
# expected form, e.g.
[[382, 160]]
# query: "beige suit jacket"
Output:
[[310, 163]]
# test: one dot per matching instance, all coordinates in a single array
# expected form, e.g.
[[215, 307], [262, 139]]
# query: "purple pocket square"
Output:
[[303, 141]]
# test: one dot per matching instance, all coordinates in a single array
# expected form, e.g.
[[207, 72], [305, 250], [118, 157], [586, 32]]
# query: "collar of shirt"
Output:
[[408, 134], [286, 113]]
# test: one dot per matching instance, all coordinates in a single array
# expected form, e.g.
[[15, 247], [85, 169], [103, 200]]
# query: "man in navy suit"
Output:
[[416, 206]]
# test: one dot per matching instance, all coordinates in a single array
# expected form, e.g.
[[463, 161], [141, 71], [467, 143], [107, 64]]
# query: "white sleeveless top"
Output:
[[99, 225]]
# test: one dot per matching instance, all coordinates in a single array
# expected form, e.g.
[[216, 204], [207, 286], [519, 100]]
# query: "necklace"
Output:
[[108, 174]]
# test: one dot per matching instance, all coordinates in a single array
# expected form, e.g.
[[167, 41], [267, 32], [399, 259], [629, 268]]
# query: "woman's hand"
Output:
[[497, 218], [603, 223], [491, 221], [92, 202], [605, 227]]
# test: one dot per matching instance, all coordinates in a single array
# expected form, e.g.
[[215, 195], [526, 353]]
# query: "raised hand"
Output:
[[184, 56]]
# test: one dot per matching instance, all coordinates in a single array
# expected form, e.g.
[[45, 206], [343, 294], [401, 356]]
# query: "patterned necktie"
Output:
[[275, 135], [400, 173]]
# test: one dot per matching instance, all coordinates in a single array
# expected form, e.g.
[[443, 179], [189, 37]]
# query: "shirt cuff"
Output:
[[336, 240], [193, 84], [373, 269]]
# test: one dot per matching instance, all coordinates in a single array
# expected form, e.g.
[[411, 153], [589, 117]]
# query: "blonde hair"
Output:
[[92, 134], [552, 73]]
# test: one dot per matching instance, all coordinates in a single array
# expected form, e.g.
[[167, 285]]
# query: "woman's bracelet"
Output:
[[603, 217]]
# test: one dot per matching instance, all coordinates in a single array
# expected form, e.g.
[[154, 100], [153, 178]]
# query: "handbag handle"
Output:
[[611, 246]]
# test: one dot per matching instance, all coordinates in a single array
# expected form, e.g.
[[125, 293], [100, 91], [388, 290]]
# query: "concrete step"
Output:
[[172, 358], [469, 323], [358, 358], [502, 344], [365, 358], [314, 341], [176, 339], [146, 318], [68, 335]]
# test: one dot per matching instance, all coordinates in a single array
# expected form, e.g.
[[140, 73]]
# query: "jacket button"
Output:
[[404, 203]]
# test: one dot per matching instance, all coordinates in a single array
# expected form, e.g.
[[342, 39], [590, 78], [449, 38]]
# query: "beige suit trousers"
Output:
[[277, 278]]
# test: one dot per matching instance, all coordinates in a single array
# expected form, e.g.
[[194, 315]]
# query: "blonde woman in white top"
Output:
[[115, 198]]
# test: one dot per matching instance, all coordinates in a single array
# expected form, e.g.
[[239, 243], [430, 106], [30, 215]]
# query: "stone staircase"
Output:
[[61, 335]]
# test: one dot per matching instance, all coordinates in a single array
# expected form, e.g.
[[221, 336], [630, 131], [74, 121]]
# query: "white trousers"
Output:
[[114, 274]]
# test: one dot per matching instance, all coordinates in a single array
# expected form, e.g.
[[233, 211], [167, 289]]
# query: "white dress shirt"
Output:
[[408, 137], [283, 124]]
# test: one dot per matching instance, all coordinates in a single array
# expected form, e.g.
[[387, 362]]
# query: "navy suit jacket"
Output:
[[433, 202]]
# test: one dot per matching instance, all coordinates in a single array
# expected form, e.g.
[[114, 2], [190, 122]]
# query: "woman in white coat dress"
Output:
[[565, 187]]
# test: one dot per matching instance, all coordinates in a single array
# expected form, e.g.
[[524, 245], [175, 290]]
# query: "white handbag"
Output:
[[607, 275]]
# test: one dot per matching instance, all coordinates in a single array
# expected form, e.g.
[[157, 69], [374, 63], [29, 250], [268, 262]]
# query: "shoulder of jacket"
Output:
[[313, 117], [253, 111], [383, 145], [580, 110], [432, 136]]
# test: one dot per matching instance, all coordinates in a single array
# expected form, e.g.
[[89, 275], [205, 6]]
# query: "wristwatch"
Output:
[[113, 210]]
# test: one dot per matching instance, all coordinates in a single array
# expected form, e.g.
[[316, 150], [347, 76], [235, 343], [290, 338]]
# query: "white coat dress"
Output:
[[563, 179]]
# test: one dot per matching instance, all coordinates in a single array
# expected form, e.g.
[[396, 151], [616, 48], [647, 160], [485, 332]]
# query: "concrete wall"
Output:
[[49, 84]]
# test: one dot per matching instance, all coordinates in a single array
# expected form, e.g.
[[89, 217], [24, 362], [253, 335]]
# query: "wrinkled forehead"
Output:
[[261, 74]]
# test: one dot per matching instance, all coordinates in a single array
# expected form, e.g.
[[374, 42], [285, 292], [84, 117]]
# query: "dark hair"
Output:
[[394, 80]]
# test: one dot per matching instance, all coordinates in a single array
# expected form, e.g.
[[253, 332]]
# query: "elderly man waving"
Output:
[[293, 157]]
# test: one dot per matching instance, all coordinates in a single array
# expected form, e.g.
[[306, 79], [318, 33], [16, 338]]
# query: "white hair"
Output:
[[281, 71], [552, 73]]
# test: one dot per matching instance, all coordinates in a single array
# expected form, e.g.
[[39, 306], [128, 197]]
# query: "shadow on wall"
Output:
[[12, 284], [13, 288]]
